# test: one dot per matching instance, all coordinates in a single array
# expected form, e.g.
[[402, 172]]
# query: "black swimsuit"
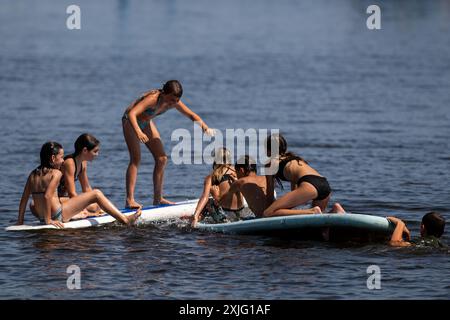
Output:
[[320, 183], [225, 177], [229, 178], [62, 192]]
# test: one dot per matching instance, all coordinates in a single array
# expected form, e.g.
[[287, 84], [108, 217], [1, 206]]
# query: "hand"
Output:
[[194, 222], [210, 132], [394, 220], [56, 223], [142, 137]]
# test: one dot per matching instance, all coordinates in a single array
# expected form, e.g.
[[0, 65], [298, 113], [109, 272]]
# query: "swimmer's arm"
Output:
[[138, 109], [234, 189], [69, 181], [50, 193], [203, 200], [23, 202], [183, 109], [397, 235], [84, 180]]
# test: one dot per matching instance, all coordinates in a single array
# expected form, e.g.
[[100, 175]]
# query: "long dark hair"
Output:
[[173, 87], [48, 150], [87, 141], [283, 154]]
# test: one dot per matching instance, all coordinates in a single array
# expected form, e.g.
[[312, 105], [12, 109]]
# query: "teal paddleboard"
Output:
[[344, 226]]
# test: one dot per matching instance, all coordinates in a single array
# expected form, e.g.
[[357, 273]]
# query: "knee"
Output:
[[161, 160], [135, 160], [97, 193]]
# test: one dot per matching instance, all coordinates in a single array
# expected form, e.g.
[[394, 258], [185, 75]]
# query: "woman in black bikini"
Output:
[[306, 183], [74, 168], [217, 184]]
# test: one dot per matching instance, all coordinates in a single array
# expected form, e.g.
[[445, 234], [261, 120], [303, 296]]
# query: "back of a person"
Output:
[[254, 190], [40, 179]]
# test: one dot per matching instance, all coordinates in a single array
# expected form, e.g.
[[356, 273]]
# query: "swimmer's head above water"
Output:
[[433, 224]]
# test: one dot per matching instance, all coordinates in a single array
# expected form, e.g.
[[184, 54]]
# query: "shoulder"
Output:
[[56, 173], [68, 162], [151, 95]]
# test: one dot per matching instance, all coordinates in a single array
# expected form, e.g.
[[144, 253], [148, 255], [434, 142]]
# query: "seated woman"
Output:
[[74, 168], [42, 185], [217, 184], [306, 183]]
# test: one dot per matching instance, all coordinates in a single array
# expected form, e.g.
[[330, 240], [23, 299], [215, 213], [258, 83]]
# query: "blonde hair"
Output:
[[222, 159]]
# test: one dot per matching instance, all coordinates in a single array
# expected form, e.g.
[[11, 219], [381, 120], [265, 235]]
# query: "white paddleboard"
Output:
[[149, 214]]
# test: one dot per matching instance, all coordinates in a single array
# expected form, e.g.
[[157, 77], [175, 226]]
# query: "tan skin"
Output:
[[299, 195], [152, 140], [48, 203], [217, 192], [68, 169], [257, 191], [401, 235]]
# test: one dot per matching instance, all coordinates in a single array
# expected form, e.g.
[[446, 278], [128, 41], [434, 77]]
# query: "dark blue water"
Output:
[[368, 109]]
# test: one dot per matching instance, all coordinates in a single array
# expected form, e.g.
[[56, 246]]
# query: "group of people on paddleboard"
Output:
[[225, 190]]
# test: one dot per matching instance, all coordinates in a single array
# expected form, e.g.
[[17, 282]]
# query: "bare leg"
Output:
[[287, 212], [304, 193], [134, 149], [77, 204], [322, 203], [94, 209], [156, 147]]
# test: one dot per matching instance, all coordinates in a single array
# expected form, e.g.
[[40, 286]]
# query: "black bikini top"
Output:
[[62, 187], [225, 177], [282, 164]]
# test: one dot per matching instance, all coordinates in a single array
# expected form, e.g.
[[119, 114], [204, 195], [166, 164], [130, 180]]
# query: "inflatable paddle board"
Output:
[[346, 226], [149, 214]]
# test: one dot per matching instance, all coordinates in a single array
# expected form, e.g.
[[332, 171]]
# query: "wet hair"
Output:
[[434, 224], [48, 150], [87, 141], [283, 154], [173, 87], [279, 140], [222, 159], [247, 163]]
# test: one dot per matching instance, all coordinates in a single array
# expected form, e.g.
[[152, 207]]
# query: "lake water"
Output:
[[369, 109]]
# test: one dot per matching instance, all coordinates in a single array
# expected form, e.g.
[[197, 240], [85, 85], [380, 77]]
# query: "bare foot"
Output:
[[132, 219], [337, 208], [316, 210], [131, 204], [162, 201]]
